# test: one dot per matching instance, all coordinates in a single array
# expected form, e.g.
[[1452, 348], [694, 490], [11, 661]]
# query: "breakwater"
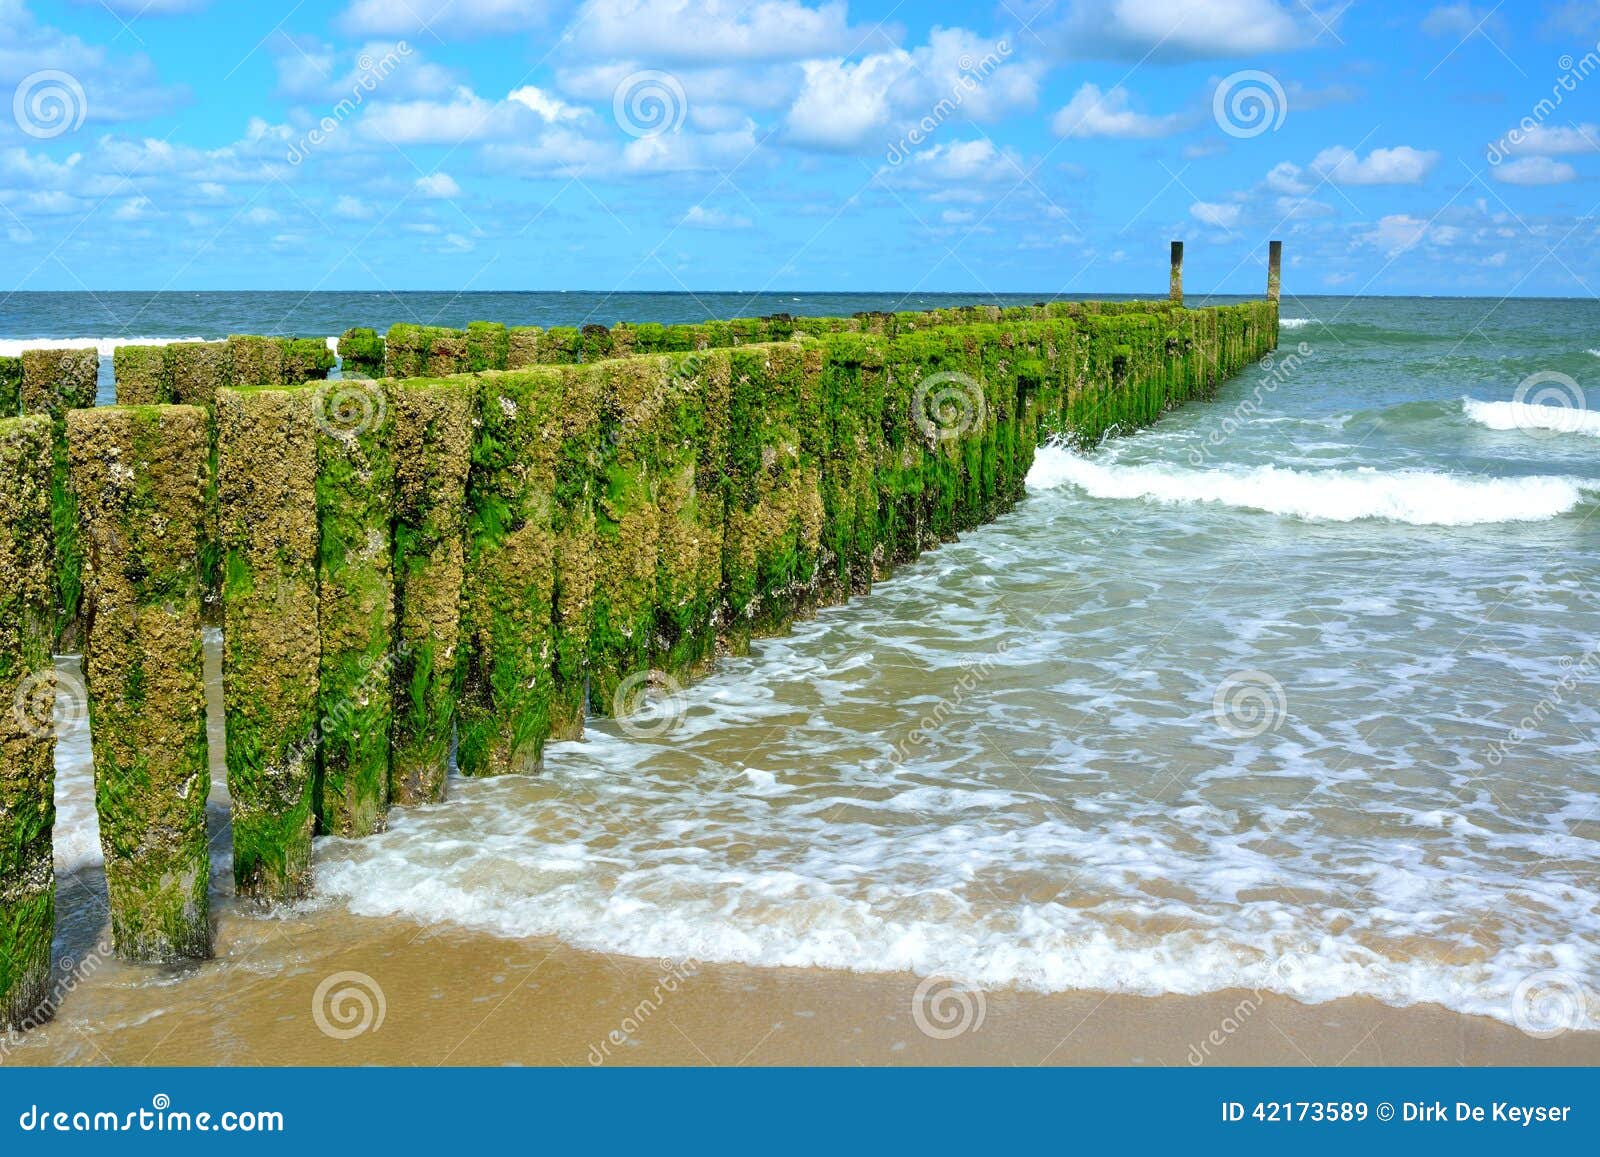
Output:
[[519, 528]]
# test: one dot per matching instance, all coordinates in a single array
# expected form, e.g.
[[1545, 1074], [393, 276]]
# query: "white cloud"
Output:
[[309, 70], [112, 88], [1211, 213], [703, 30], [842, 104], [1172, 30], [1534, 171], [545, 106], [352, 209], [968, 164], [884, 96], [441, 185], [1396, 233], [1092, 113], [1402, 165], [699, 217], [466, 116], [1458, 20], [1287, 177], [1556, 140], [446, 19]]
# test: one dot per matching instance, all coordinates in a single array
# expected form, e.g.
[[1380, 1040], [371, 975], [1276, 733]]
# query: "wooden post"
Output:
[[139, 474], [1176, 290], [1274, 269], [27, 733], [267, 523]]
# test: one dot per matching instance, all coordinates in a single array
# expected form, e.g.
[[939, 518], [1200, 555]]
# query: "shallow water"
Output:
[[1295, 691]]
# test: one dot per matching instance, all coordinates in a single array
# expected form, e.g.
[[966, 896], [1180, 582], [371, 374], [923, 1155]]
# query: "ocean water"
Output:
[[1296, 690]]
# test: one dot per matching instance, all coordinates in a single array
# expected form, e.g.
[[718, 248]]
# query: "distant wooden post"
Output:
[[1274, 269], [1177, 272]]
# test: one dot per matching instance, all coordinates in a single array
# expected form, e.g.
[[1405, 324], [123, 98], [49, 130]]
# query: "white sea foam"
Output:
[[1593, 353], [1293, 322], [1418, 497], [1527, 416], [13, 347]]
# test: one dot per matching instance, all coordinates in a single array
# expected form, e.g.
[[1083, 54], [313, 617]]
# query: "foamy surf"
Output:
[[1528, 416], [13, 347], [1293, 322], [1417, 497]]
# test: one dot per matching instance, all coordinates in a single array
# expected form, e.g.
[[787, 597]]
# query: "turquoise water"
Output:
[[1295, 690]]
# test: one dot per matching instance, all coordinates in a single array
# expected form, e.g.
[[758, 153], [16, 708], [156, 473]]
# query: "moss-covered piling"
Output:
[[267, 526], [10, 387], [355, 496], [27, 735], [431, 439], [256, 360], [361, 353], [143, 375], [139, 476], [528, 532], [54, 382]]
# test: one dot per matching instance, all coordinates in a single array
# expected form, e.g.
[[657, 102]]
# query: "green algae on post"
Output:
[[10, 387], [532, 472], [139, 475], [27, 730], [55, 381], [690, 469], [361, 353], [627, 526], [256, 361], [306, 359], [355, 494], [197, 369], [431, 448], [143, 377], [267, 525]]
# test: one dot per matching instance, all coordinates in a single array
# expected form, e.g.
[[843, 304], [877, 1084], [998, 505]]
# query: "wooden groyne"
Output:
[[496, 533]]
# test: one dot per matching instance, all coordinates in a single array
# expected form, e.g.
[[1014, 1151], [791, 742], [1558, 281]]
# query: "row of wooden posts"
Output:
[[417, 574]]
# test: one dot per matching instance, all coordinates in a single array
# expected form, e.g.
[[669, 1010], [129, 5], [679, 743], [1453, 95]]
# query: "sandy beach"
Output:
[[308, 988]]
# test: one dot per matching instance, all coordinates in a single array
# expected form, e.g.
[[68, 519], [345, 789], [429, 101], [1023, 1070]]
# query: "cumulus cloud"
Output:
[[956, 75], [440, 185], [704, 30], [1212, 213], [446, 19], [1092, 113], [1555, 140], [1534, 171], [1402, 165], [699, 217], [1178, 30]]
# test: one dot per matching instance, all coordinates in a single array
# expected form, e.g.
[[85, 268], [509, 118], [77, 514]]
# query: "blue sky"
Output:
[[1049, 146]]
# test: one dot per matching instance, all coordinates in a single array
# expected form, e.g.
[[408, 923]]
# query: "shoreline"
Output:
[[320, 987]]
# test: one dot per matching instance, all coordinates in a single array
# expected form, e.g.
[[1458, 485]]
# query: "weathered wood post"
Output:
[[355, 495], [27, 730], [267, 524], [1274, 269], [432, 448], [139, 477], [143, 375], [55, 381], [1175, 281], [532, 483]]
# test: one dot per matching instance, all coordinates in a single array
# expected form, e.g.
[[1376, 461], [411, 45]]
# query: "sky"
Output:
[[1040, 146]]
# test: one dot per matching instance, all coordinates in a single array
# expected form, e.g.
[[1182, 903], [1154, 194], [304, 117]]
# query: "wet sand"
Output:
[[308, 987]]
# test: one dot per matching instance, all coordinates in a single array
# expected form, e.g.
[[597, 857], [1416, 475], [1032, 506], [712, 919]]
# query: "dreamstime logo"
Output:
[[50, 703], [1548, 1003], [48, 103], [1281, 975], [947, 405], [1562, 406], [350, 409], [1573, 74], [348, 1004], [1249, 103], [372, 73], [944, 1008], [1249, 703], [649, 103], [1276, 368], [648, 704], [970, 77]]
